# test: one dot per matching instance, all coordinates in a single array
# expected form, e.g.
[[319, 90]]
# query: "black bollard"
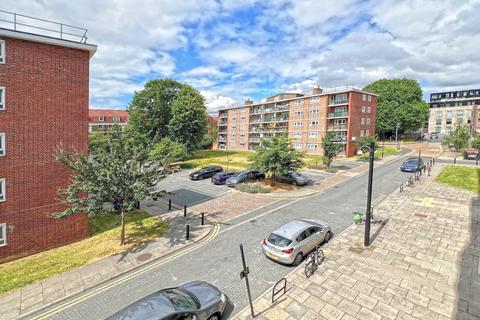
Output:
[[455, 160], [188, 232], [476, 162], [185, 211], [203, 218], [169, 204]]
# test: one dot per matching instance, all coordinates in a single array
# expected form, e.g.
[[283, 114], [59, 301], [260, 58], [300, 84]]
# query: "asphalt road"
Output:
[[219, 262]]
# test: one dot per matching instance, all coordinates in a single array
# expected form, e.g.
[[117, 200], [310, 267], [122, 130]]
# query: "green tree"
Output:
[[211, 136], [189, 118], [365, 141], [150, 110], [116, 173], [98, 141], [167, 152], [459, 138], [330, 148], [276, 156], [399, 101], [476, 142]]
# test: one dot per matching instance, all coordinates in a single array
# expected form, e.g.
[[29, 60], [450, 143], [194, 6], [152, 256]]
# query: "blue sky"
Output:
[[231, 50]]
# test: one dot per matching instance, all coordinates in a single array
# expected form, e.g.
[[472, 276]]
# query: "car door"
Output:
[[316, 236], [303, 242]]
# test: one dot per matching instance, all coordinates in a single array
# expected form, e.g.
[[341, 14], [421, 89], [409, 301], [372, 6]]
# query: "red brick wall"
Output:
[[46, 105], [354, 118]]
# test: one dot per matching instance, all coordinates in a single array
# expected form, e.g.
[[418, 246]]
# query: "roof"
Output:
[[108, 114], [291, 228]]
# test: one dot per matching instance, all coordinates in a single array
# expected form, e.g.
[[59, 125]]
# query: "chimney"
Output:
[[248, 101], [317, 90]]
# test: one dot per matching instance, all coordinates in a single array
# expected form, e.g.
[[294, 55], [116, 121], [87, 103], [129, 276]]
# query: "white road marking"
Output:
[[478, 265], [331, 212]]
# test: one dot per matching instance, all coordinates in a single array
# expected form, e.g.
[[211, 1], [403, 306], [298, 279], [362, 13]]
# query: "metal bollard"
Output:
[[455, 160], [188, 232], [203, 218], [169, 204], [185, 211], [433, 160], [476, 162]]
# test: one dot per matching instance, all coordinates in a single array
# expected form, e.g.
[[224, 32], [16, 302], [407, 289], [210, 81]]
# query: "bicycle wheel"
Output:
[[309, 266], [320, 256]]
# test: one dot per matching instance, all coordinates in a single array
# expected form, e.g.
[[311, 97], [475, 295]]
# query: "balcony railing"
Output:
[[222, 131], [342, 114], [337, 101], [270, 119], [254, 140], [42, 27], [337, 127], [222, 123]]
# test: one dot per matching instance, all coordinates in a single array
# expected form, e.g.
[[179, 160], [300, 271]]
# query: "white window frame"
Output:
[[2, 51], [367, 132], [3, 234], [364, 109], [362, 121], [297, 146], [313, 135], [312, 146], [314, 123], [116, 118], [3, 141], [369, 109], [369, 98], [314, 111], [298, 124], [2, 99], [3, 187], [315, 100], [368, 120], [364, 97], [101, 118], [299, 101]]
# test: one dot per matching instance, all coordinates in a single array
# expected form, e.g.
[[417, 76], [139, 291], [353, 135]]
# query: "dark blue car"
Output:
[[221, 177], [412, 165]]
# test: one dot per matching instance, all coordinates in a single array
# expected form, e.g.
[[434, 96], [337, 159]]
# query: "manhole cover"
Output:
[[144, 257], [420, 215]]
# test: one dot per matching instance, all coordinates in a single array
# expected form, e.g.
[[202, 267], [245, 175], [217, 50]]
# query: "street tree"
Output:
[[459, 138], [167, 152], [115, 173], [330, 148], [399, 101], [365, 141], [276, 156], [188, 123]]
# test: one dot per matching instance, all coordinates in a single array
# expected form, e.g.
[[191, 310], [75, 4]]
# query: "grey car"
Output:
[[294, 240], [196, 300], [295, 178], [245, 176]]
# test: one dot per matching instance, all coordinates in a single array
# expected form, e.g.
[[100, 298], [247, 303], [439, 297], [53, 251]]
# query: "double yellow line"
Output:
[[101, 288]]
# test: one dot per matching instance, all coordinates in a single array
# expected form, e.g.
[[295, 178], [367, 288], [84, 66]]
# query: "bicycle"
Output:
[[314, 259], [359, 218]]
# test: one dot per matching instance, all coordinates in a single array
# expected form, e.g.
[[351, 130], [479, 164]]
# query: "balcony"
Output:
[[222, 123], [337, 127], [222, 131], [339, 139], [283, 108], [256, 140], [337, 102], [222, 139], [342, 114]]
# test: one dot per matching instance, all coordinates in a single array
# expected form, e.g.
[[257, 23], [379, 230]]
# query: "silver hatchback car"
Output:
[[294, 240]]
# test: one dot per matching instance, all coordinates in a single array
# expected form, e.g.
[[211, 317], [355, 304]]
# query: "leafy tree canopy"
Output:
[[459, 138], [276, 156], [330, 148], [399, 101], [167, 152]]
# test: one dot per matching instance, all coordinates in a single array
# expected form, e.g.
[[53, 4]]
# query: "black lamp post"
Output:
[[368, 217]]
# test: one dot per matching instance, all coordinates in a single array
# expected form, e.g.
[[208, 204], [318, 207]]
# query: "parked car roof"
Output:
[[292, 228]]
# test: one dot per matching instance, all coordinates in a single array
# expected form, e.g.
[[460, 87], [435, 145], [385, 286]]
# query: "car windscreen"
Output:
[[415, 161], [240, 174], [180, 299], [279, 241]]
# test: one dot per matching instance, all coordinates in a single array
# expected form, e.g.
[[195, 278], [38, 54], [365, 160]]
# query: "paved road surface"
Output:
[[219, 262]]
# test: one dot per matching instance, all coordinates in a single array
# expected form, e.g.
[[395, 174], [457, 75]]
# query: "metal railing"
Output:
[[337, 127], [23, 23], [337, 114]]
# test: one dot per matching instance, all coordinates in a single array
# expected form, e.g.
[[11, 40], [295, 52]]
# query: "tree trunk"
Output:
[[122, 232], [273, 180]]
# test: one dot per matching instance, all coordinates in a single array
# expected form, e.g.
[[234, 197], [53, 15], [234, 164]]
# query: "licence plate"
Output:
[[271, 255]]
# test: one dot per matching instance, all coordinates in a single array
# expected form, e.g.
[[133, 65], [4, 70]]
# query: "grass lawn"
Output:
[[105, 241], [467, 178], [387, 151]]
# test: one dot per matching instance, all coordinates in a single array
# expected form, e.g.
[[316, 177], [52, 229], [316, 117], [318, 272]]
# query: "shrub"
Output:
[[252, 188]]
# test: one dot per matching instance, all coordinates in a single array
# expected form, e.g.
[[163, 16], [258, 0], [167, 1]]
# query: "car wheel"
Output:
[[214, 317], [295, 183], [298, 259], [328, 236]]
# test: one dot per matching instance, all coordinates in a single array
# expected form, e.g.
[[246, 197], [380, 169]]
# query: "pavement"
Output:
[[218, 260], [423, 264], [43, 293]]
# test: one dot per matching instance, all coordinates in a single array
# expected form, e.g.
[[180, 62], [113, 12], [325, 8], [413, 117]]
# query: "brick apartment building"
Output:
[[450, 109], [102, 120], [348, 111], [44, 93]]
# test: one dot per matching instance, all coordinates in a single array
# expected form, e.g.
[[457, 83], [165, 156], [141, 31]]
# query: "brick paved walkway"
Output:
[[39, 294], [423, 264]]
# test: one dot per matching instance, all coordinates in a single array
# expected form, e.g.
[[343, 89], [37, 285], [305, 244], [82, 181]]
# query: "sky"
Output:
[[232, 50]]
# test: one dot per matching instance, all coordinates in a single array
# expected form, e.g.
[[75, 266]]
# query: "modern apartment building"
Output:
[[102, 120], [305, 118], [449, 109], [44, 97]]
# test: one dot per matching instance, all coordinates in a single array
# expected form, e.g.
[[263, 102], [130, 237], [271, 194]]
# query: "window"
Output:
[[2, 51], [368, 120], [438, 115], [315, 100], [297, 146], [313, 135], [116, 118], [234, 118], [242, 117], [242, 136], [299, 101], [298, 124], [297, 135], [234, 127], [242, 127], [367, 132], [364, 97], [2, 98], [314, 112], [242, 144], [3, 195], [314, 123], [369, 98], [362, 133], [2, 144], [369, 109], [312, 146], [298, 113], [101, 118], [3, 234], [233, 135], [364, 109], [438, 129], [362, 121]]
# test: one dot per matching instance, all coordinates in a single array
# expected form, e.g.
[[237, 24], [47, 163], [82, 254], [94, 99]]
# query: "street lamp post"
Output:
[[368, 217], [396, 134]]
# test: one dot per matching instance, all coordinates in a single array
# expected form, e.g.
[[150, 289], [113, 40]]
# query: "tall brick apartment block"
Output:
[[305, 118], [44, 97]]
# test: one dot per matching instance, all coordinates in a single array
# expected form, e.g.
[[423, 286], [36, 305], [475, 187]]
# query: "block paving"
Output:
[[423, 264]]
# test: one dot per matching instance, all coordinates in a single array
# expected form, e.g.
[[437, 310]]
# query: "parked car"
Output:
[[412, 165], [471, 154], [294, 240], [221, 177], [245, 176], [295, 179], [206, 172], [433, 136], [196, 300]]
